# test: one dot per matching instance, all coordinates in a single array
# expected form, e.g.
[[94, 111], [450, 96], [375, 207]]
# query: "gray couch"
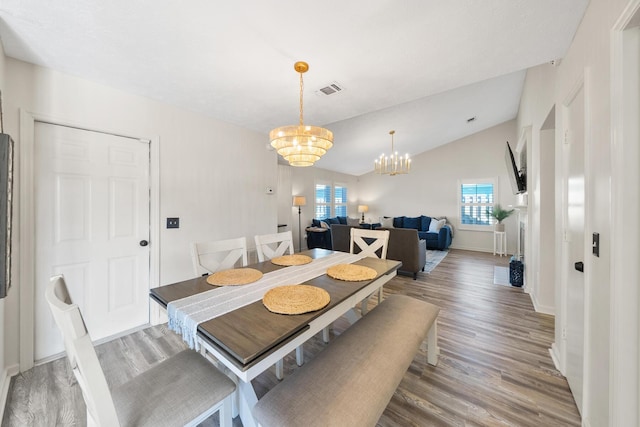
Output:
[[404, 245]]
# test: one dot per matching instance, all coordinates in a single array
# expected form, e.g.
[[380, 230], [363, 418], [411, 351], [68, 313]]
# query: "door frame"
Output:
[[26, 252], [624, 349]]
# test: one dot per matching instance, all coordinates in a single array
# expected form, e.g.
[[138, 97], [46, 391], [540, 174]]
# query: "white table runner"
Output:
[[187, 313]]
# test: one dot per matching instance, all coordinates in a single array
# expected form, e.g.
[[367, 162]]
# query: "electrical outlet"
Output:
[[173, 222]]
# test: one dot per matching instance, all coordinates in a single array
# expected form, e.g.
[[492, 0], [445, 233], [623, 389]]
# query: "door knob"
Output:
[[143, 243], [579, 266]]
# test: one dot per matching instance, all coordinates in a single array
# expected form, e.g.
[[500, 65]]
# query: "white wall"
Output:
[[589, 57], [432, 186], [303, 183], [213, 175]]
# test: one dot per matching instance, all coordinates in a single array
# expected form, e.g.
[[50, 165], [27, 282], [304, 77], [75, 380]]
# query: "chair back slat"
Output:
[[269, 246], [81, 354], [209, 257], [377, 240]]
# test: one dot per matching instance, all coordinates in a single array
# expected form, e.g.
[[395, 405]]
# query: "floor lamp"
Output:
[[299, 201]]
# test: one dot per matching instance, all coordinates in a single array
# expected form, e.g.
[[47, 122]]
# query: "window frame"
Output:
[[477, 227], [332, 205], [335, 203]]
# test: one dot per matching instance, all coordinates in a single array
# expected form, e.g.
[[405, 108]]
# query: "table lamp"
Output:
[[362, 209]]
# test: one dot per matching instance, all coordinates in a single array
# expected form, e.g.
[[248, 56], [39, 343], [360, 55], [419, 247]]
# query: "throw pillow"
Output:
[[436, 225], [410, 222], [398, 222], [424, 223], [386, 222], [324, 224], [353, 221]]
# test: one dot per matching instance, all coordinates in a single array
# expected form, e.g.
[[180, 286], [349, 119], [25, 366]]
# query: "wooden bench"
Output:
[[352, 380]]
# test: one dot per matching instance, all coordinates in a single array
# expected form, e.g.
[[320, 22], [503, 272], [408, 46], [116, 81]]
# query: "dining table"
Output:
[[248, 339]]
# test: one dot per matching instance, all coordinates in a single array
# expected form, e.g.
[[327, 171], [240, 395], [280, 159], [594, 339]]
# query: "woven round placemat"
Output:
[[295, 259], [235, 276], [351, 272], [295, 299]]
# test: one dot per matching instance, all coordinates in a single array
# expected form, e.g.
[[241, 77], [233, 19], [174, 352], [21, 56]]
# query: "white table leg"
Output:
[[247, 400], [280, 369]]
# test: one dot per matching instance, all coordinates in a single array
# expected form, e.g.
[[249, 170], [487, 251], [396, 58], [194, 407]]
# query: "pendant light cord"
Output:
[[301, 92]]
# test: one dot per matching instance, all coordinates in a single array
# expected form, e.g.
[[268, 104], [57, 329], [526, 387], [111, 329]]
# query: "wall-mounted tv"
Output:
[[517, 177]]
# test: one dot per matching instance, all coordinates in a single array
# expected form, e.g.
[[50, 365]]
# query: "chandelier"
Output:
[[301, 145], [393, 164]]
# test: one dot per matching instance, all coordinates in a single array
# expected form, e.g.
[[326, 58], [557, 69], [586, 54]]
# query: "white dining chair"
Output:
[[183, 390], [209, 257], [269, 246], [377, 240]]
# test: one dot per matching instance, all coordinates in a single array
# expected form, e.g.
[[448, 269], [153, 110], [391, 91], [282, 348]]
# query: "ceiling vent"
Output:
[[330, 89]]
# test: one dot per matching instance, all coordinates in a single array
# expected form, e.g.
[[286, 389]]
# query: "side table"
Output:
[[500, 243]]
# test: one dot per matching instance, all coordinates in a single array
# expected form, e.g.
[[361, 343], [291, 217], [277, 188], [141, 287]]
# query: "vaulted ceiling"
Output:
[[420, 67]]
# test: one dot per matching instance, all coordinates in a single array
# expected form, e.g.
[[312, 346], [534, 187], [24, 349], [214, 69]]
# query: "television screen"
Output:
[[518, 180]]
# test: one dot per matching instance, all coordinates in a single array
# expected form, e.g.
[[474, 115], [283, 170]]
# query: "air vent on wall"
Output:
[[330, 89]]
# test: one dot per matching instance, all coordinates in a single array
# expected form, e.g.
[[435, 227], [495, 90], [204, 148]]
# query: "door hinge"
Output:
[[564, 333], [567, 136]]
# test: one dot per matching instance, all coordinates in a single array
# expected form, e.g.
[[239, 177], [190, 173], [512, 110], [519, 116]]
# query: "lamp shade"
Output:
[[299, 201], [363, 208]]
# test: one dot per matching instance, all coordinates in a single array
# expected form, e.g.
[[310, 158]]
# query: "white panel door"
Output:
[[575, 249], [92, 212]]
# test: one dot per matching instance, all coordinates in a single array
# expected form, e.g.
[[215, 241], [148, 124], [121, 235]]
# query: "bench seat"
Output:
[[352, 380]]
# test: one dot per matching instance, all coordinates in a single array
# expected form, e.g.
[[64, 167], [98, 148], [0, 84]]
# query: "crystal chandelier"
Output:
[[393, 164], [301, 145]]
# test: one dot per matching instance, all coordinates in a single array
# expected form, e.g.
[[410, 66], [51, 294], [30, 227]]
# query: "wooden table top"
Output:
[[250, 331]]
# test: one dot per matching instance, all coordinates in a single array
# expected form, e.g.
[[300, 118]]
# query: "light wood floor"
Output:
[[494, 367]]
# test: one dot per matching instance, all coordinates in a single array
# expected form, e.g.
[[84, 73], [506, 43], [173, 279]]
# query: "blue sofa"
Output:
[[435, 240]]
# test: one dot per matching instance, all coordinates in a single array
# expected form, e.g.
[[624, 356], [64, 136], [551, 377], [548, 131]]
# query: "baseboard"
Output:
[[5, 381], [553, 351], [539, 308], [474, 249]]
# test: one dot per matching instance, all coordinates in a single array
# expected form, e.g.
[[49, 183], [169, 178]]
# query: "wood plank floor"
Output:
[[494, 367]]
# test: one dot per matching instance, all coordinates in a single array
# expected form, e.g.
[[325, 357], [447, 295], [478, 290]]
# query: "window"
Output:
[[330, 200], [340, 200], [475, 198], [323, 201]]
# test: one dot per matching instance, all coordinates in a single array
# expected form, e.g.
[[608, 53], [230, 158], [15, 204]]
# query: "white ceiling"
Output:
[[421, 67]]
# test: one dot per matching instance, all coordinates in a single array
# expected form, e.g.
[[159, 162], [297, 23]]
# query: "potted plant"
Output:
[[499, 214]]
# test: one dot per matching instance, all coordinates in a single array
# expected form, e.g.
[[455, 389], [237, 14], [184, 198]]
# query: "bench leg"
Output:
[[300, 355], [364, 305], [280, 369], [432, 344], [325, 335]]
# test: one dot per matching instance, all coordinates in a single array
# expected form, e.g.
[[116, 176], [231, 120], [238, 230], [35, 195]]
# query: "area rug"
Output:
[[433, 259], [501, 276]]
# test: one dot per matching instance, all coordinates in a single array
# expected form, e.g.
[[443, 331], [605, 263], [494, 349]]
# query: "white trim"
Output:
[[624, 350], [26, 264], [555, 357], [5, 382], [539, 308]]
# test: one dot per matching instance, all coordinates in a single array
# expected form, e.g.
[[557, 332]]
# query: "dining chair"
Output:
[[209, 257], [269, 246], [376, 241], [183, 390]]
